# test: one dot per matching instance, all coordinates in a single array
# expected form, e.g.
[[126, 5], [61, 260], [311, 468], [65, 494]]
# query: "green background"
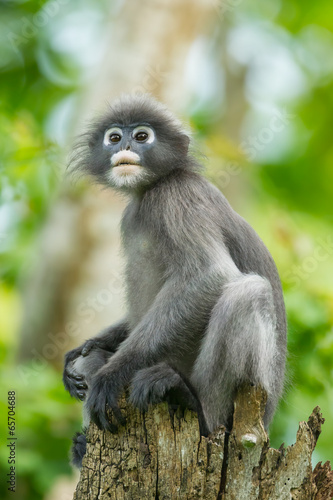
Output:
[[288, 199]]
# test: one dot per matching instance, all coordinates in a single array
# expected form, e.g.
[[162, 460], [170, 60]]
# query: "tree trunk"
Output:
[[161, 456]]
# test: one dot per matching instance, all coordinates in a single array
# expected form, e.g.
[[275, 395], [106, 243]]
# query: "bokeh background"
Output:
[[254, 81]]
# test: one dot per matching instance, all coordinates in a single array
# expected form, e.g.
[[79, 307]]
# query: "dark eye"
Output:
[[141, 136], [143, 133], [114, 138]]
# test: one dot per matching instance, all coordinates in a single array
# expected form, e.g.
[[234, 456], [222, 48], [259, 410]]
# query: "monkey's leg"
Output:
[[163, 383], [240, 345]]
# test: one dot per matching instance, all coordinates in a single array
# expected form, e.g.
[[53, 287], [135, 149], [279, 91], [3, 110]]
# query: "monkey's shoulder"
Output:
[[201, 212], [182, 202], [186, 192]]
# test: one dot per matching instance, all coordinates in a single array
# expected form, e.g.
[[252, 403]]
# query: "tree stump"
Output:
[[162, 456]]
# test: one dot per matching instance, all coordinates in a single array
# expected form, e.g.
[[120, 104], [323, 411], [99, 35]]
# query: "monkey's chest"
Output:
[[144, 276]]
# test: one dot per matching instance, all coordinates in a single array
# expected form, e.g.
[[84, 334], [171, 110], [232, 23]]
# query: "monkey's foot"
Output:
[[163, 383], [74, 382]]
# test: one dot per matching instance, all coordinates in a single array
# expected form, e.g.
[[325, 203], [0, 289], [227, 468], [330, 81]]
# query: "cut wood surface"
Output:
[[162, 456]]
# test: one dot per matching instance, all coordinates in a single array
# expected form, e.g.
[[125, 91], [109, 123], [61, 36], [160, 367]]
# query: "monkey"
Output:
[[205, 309]]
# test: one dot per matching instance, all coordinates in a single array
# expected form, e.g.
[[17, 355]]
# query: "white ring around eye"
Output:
[[148, 130], [109, 132]]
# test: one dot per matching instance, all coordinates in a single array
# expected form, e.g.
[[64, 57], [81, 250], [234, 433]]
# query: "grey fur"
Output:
[[204, 296]]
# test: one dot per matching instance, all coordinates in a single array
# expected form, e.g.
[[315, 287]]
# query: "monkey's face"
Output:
[[128, 150], [136, 143]]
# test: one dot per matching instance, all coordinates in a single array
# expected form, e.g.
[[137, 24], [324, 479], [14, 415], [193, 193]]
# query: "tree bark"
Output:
[[158, 455]]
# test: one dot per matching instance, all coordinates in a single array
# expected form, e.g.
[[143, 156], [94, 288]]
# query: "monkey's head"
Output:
[[137, 142]]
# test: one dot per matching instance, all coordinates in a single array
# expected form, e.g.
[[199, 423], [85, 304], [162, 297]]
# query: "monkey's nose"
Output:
[[128, 147]]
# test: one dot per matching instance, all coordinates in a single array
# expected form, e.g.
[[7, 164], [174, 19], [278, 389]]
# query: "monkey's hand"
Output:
[[74, 381], [108, 340], [107, 385]]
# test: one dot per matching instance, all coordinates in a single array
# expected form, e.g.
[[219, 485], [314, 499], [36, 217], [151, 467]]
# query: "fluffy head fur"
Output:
[[167, 153]]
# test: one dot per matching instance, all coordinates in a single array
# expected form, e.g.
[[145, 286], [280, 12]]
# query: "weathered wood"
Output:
[[157, 455]]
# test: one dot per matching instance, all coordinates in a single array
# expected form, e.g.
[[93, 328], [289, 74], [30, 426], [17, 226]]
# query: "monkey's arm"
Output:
[[165, 333], [107, 340]]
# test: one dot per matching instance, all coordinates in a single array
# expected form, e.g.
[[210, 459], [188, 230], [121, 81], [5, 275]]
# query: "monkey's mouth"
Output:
[[122, 163], [123, 169], [125, 158], [126, 165]]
